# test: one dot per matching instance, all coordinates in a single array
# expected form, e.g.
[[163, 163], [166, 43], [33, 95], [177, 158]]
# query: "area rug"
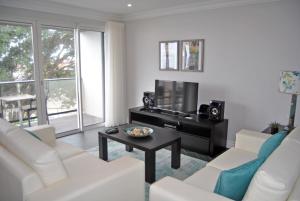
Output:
[[189, 165]]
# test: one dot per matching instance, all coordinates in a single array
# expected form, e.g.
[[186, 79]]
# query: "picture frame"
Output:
[[169, 55], [192, 55]]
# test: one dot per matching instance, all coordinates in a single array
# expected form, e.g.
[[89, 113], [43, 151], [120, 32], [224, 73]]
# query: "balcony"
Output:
[[60, 100]]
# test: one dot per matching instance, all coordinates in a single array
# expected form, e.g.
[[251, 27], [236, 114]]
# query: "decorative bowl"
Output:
[[138, 131]]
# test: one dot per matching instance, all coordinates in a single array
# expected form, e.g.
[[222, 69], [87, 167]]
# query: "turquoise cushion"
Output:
[[271, 144], [234, 183]]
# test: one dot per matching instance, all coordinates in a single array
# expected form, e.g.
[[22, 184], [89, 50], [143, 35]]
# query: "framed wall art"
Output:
[[169, 55], [192, 55]]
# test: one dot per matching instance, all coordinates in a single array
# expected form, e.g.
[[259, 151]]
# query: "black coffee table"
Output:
[[161, 138]]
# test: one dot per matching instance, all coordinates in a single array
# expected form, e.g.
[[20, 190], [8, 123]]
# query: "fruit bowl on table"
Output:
[[138, 131]]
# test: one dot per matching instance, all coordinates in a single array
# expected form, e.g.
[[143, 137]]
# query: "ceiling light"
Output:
[[129, 5]]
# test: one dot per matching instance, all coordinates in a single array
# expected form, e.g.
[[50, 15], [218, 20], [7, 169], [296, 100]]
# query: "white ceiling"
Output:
[[117, 9], [120, 6]]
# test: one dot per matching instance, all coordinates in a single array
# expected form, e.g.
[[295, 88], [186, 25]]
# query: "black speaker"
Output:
[[148, 99], [203, 111], [216, 110]]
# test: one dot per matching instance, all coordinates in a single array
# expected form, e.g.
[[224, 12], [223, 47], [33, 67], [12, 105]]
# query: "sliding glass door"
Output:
[[92, 77], [59, 76], [17, 80], [52, 75]]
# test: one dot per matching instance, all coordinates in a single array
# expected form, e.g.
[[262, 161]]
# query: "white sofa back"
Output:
[[16, 178], [277, 177], [37, 155]]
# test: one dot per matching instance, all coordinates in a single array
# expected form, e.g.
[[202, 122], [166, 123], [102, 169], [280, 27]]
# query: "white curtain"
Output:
[[116, 110]]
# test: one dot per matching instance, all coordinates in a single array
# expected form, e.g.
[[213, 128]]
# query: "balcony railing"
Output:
[[60, 96]]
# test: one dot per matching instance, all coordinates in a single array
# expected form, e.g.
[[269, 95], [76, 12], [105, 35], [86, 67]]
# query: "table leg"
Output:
[[102, 148], [129, 148], [150, 166], [175, 154]]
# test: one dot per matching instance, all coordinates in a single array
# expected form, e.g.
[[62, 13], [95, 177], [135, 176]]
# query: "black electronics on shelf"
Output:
[[197, 134]]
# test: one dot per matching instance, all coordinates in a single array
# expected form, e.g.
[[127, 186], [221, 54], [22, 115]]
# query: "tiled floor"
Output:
[[86, 140]]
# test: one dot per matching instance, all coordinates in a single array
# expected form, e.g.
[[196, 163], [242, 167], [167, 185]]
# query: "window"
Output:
[[64, 84], [16, 71]]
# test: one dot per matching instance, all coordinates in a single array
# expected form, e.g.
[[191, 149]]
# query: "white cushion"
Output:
[[232, 158], [250, 140], [84, 161], [16, 178], [276, 177], [295, 194], [122, 179], [294, 135], [39, 156], [46, 133], [205, 178], [65, 150], [171, 189]]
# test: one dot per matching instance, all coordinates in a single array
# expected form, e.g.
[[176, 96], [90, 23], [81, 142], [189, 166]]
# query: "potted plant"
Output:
[[274, 126]]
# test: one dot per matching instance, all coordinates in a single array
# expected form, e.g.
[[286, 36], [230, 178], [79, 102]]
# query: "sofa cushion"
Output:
[[295, 194], [234, 183], [277, 176], [232, 158], [271, 144], [16, 177], [206, 178], [65, 150], [39, 156], [294, 135], [45, 132], [84, 161]]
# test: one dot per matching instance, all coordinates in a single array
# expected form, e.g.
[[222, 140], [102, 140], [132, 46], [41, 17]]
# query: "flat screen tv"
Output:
[[176, 96]]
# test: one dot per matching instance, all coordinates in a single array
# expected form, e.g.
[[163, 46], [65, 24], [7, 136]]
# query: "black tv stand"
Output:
[[197, 134], [166, 112]]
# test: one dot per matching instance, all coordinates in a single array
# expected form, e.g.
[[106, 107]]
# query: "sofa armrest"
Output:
[[122, 179], [170, 189], [250, 140], [45, 132]]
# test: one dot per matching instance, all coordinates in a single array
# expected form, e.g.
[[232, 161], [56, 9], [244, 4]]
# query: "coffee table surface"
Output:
[[159, 139]]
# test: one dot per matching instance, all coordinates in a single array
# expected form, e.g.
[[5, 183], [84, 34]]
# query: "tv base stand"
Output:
[[199, 135]]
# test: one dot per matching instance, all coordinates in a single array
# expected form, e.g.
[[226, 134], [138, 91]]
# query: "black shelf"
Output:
[[199, 135]]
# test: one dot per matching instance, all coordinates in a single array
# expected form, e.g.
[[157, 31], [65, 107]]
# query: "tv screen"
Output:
[[176, 96]]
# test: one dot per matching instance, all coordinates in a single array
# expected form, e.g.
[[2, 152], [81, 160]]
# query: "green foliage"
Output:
[[16, 60], [58, 53], [16, 57]]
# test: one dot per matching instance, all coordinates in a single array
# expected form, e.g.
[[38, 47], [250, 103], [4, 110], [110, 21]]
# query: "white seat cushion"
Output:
[[295, 194], [39, 156], [205, 178], [65, 150], [294, 135], [277, 176], [95, 180], [232, 158], [84, 161]]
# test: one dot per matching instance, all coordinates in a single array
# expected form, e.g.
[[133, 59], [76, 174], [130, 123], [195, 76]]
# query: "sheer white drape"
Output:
[[115, 73]]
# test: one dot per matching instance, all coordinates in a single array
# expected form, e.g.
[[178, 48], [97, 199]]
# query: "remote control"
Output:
[[112, 131]]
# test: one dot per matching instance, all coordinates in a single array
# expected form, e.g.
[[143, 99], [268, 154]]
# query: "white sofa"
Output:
[[278, 179], [47, 170]]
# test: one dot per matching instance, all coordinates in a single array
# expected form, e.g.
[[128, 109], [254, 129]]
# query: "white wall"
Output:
[[245, 49], [92, 73]]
